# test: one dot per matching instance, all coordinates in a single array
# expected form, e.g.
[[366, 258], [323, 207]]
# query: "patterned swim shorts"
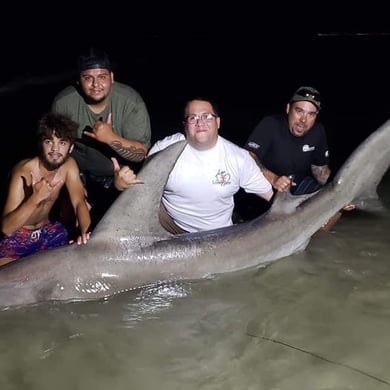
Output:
[[25, 242]]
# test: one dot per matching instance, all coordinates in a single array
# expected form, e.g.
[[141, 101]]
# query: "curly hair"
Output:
[[58, 124]]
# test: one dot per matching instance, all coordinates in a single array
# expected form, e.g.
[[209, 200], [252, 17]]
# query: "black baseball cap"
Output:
[[309, 94], [94, 59]]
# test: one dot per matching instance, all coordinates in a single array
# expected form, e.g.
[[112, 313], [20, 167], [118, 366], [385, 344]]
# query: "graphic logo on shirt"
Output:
[[307, 148], [222, 178], [253, 145]]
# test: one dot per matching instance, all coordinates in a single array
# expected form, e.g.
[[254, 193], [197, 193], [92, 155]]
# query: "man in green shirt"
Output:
[[113, 122]]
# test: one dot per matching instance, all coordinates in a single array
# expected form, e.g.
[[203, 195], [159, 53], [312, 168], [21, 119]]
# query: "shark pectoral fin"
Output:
[[369, 203]]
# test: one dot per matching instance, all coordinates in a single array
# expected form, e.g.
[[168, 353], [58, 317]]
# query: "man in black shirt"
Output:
[[292, 149]]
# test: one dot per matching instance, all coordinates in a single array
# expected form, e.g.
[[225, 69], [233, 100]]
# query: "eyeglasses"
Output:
[[194, 118], [309, 94]]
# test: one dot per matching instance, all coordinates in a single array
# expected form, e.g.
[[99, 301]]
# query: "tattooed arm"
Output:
[[130, 150]]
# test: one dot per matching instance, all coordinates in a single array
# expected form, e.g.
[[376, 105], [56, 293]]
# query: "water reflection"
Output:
[[151, 300]]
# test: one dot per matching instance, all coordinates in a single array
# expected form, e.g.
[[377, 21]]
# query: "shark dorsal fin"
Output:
[[135, 211]]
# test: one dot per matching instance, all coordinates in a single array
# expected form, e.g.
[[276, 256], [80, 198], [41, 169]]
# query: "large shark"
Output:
[[129, 249]]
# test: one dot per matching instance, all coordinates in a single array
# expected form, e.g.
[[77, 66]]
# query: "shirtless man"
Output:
[[34, 187]]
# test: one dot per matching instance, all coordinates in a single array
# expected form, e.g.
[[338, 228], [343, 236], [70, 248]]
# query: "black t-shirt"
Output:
[[285, 154]]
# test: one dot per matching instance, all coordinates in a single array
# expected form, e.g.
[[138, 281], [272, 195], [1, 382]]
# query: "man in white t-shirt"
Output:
[[199, 194]]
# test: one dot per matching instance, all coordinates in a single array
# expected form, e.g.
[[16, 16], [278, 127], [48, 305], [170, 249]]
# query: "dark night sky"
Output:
[[249, 71]]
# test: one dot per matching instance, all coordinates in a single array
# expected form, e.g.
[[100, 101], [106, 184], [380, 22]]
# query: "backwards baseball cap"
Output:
[[309, 94], [94, 59]]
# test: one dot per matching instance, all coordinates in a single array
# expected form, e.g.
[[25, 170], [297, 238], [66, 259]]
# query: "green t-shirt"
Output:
[[130, 119]]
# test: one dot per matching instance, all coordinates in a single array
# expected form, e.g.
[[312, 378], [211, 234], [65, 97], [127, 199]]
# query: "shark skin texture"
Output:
[[129, 249]]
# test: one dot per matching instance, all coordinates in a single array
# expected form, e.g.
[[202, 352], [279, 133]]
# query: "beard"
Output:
[[49, 165]]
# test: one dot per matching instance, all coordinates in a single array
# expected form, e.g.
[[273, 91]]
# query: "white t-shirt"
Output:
[[200, 188]]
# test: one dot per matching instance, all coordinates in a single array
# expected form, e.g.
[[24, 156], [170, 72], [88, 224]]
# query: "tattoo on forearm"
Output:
[[131, 153], [321, 173]]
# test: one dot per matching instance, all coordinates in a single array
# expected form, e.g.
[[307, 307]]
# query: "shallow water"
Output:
[[315, 320]]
